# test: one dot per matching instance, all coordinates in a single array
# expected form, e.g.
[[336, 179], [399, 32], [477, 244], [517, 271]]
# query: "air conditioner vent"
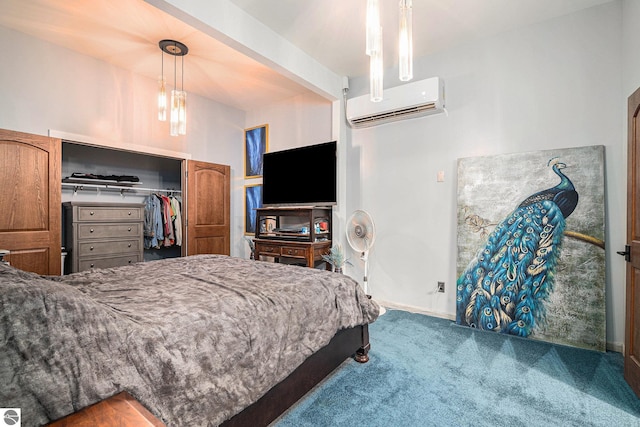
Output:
[[390, 116], [411, 100]]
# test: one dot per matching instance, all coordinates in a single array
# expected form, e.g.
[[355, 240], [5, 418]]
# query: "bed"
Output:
[[200, 340]]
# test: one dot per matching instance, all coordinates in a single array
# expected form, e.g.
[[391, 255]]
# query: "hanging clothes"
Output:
[[169, 236], [177, 220], [153, 225]]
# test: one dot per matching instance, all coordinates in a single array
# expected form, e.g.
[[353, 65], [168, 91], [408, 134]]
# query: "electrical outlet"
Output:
[[440, 286]]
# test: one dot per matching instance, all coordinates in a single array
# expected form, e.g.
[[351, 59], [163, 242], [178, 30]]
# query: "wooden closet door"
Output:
[[30, 194], [208, 208]]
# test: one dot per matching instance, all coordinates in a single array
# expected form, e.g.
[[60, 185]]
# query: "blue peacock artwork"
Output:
[[505, 287]]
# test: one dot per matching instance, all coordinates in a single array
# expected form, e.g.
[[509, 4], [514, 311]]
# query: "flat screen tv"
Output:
[[304, 176]]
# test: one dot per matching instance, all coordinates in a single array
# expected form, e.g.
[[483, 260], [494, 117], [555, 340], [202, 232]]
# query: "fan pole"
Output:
[[365, 281]]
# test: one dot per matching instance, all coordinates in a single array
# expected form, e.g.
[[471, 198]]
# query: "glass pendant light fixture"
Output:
[[162, 95], [376, 70], [373, 25], [405, 57], [162, 100], [374, 50], [178, 114]]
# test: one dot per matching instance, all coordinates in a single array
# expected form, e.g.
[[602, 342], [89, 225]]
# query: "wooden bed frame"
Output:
[[346, 343]]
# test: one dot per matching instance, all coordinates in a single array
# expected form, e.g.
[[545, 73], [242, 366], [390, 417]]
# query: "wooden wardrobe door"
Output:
[[30, 194], [208, 208]]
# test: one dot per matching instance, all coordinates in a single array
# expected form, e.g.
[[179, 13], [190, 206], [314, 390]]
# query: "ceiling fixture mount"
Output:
[[173, 47], [178, 117]]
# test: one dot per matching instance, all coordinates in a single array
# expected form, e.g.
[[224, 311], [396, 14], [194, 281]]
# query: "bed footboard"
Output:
[[346, 343]]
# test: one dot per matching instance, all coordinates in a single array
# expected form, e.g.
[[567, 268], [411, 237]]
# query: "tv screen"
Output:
[[304, 176]]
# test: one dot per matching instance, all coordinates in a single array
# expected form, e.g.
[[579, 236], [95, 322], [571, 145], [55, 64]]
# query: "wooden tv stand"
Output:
[[295, 233], [308, 252]]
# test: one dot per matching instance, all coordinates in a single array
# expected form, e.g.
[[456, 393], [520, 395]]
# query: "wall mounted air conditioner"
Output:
[[407, 101]]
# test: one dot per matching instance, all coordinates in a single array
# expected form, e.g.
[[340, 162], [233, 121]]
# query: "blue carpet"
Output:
[[426, 371]]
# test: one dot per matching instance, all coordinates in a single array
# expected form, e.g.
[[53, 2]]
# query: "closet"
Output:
[[32, 171], [202, 189], [106, 176]]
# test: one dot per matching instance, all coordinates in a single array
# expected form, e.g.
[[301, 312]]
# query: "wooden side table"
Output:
[[121, 410]]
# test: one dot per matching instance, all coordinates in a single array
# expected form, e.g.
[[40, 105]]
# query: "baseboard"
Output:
[[412, 309], [618, 347], [611, 346]]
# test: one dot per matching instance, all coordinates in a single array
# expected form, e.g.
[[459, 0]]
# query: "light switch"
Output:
[[440, 176]]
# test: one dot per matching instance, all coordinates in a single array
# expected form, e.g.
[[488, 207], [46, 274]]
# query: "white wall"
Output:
[[45, 87], [556, 84], [296, 122], [630, 49]]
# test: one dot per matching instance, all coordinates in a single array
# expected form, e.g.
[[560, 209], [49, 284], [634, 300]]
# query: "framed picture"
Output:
[[531, 229], [252, 201], [256, 143]]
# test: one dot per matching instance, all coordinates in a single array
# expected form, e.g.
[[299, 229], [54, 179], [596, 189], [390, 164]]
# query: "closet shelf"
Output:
[[122, 188], [92, 181]]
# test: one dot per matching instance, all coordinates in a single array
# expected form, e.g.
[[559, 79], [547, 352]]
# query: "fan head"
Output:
[[360, 231]]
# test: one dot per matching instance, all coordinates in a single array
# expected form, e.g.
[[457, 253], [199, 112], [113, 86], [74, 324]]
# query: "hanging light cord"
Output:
[[175, 49]]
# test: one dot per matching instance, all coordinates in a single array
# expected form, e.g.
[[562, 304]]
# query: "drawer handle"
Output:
[[129, 261], [91, 266], [91, 230], [290, 251], [129, 245], [91, 248], [129, 229], [91, 213], [129, 212]]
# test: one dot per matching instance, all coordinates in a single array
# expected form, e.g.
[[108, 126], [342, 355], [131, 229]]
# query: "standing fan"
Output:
[[361, 233]]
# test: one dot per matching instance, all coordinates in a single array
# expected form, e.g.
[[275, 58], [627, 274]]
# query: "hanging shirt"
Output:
[[169, 236], [153, 227], [177, 220]]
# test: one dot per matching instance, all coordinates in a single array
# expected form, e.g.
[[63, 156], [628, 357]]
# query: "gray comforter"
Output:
[[194, 339]]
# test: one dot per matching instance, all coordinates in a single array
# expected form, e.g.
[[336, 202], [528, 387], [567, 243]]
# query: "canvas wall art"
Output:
[[256, 143], [531, 259], [252, 201]]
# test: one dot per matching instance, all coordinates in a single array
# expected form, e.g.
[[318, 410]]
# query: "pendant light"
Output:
[[405, 57], [178, 114], [376, 70], [374, 50], [162, 95], [373, 25]]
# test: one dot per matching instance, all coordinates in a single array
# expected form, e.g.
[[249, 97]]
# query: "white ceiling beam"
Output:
[[232, 26]]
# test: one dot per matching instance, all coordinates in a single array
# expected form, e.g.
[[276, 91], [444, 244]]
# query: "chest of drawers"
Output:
[[102, 235]]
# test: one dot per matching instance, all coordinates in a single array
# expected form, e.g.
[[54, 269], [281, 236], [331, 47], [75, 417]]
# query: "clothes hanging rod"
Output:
[[77, 187]]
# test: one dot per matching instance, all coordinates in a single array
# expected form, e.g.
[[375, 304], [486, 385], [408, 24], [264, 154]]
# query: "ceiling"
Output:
[[126, 33]]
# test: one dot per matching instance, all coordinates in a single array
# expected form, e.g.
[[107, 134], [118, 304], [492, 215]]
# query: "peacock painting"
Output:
[[511, 283]]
